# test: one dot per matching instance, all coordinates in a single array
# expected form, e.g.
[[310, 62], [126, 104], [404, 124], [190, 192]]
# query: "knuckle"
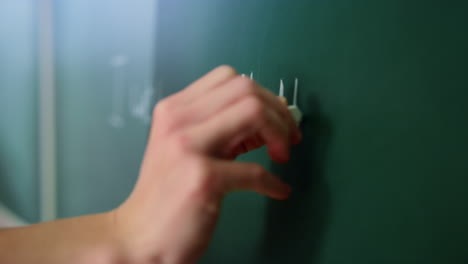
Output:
[[255, 108], [246, 86], [165, 114], [181, 143], [162, 108], [226, 70]]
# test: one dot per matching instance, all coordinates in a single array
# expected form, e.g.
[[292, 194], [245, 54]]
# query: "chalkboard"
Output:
[[382, 173], [380, 176]]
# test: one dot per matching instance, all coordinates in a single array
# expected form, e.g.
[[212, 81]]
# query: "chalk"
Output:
[[294, 108]]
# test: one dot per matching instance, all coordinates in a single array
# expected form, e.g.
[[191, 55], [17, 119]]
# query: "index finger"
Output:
[[240, 121]]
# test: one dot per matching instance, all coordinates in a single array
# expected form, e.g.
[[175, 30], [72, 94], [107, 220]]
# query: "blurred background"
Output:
[[76, 77]]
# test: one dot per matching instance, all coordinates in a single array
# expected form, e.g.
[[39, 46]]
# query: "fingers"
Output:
[[251, 143], [250, 176], [178, 105], [218, 99], [275, 134], [239, 122], [230, 114], [234, 90], [200, 87], [281, 104]]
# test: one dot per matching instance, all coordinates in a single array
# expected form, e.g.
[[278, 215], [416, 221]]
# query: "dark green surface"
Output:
[[18, 125], [382, 173]]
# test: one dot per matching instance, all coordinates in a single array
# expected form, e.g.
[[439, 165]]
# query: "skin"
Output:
[[187, 169]]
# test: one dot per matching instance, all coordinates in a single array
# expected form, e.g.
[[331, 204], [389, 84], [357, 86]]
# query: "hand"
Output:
[[188, 166]]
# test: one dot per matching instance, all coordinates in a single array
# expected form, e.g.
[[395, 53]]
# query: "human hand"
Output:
[[188, 166]]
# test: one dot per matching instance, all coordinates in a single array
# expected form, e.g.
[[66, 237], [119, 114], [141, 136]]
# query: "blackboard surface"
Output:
[[382, 173]]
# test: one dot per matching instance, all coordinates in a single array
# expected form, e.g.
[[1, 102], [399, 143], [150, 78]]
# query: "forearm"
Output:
[[86, 239]]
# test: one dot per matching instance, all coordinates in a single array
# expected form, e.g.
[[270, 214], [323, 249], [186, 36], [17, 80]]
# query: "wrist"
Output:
[[128, 242], [108, 246]]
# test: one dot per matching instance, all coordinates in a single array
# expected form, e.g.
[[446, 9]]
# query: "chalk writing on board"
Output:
[[137, 99], [140, 107], [118, 63]]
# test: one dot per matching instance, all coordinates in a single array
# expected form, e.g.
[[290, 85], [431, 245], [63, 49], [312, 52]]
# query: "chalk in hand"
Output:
[[294, 108]]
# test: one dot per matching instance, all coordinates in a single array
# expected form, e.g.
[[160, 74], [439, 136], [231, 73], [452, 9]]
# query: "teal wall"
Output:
[[18, 104], [97, 162], [104, 68]]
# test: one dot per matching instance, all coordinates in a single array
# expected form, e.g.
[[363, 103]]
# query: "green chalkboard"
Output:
[[380, 176], [382, 173]]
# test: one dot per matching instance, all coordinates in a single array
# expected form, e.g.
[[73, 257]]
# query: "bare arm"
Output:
[[187, 169], [86, 239]]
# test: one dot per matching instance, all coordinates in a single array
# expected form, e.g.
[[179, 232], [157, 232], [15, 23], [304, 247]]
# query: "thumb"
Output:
[[238, 176]]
